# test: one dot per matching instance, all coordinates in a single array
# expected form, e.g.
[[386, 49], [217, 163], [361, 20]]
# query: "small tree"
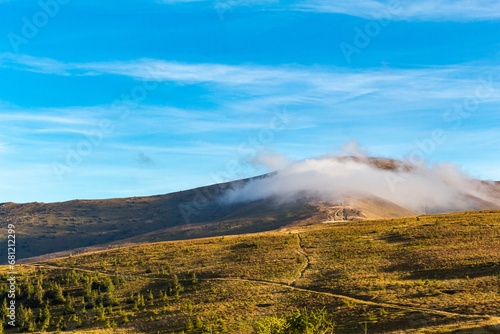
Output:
[[58, 294], [87, 290], [108, 285], [197, 322], [315, 322], [118, 279], [45, 318], [21, 316], [69, 307], [100, 314], [109, 299], [4, 310], [164, 295], [189, 325], [37, 298], [194, 279], [223, 326], [176, 286], [150, 295], [32, 326], [29, 289]]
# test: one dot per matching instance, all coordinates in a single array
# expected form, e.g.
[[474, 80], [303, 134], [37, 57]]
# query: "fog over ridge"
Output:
[[442, 187]]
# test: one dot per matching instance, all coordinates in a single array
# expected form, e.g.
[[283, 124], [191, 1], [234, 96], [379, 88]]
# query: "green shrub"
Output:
[[314, 322], [197, 322], [189, 325], [194, 279], [69, 307]]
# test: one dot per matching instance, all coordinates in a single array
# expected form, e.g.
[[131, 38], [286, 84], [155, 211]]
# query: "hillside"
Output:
[[48, 230], [427, 274], [79, 226]]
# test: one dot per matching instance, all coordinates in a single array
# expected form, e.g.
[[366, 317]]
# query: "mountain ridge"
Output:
[[62, 228]]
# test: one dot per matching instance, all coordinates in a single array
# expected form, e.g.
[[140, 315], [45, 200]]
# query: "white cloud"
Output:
[[423, 10], [33, 64], [440, 188], [180, 1], [283, 82], [419, 10], [271, 160], [31, 117]]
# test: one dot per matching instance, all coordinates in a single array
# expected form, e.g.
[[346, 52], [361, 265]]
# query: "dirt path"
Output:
[[366, 302], [293, 286], [485, 317], [40, 265], [307, 265]]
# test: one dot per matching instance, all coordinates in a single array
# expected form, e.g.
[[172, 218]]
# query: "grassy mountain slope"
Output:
[[60, 229], [428, 274], [85, 225]]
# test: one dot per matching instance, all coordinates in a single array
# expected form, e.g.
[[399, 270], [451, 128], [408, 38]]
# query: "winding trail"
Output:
[[365, 302], [49, 266], [308, 260], [293, 286]]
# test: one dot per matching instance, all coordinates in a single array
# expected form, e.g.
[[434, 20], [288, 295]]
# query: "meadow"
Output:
[[426, 274]]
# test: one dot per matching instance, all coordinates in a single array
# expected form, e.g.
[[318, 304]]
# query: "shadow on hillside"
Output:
[[455, 272], [426, 323], [395, 237], [476, 330]]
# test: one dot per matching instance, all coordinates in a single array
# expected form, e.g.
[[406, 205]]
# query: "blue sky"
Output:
[[103, 99]]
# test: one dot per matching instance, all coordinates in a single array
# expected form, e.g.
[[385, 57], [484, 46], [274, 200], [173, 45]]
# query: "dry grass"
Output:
[[390, 276]]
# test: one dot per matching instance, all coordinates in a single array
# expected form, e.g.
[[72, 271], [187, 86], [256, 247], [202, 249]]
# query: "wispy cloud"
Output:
[[419, 10], [30, 117], [380, 102], [33, 64], [180, 1], [248, 94], [446, 82], [424, 10], [60, 130]]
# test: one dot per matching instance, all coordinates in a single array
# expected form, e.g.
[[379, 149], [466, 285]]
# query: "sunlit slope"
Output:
[[77, 226], [428, 274]]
